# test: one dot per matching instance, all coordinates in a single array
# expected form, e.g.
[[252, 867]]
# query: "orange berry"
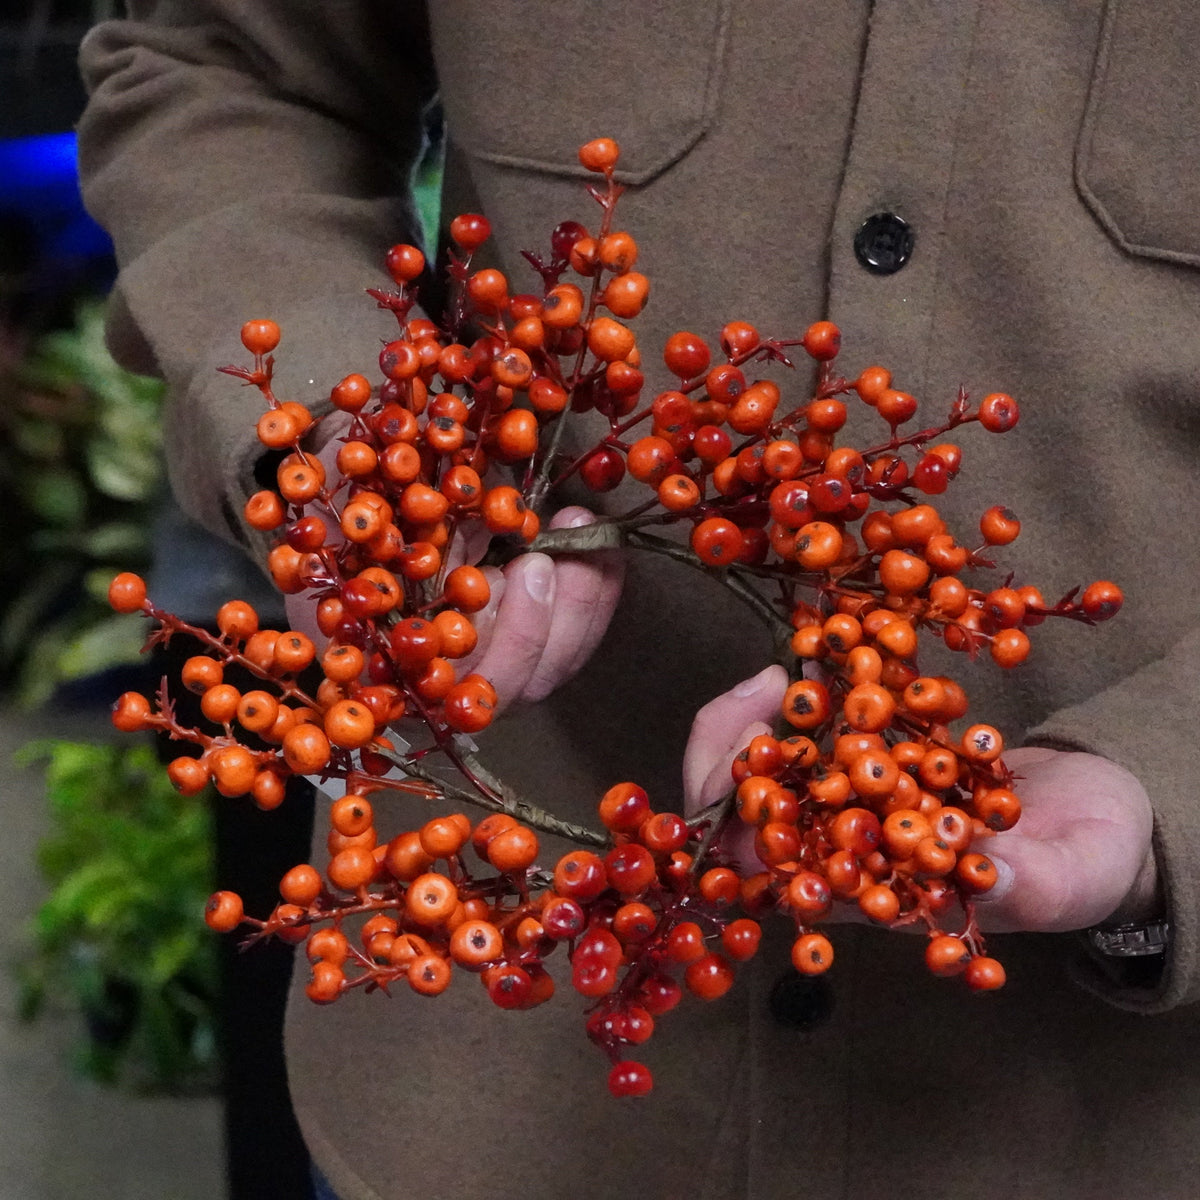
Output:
[[351, 868], [818, 545], [982, 744], [872, 383], [404, 263], [625, 295], [430, 899], [822, 340], [946, 956], [998, 413], [127, 592], [902, 573], [869, 707], [429, 974], [293, 652], [257, 711], [188, 776], [301, 885], [470, 231], [513, 849], [609, 340], [1009, 647], [475, 943], [131, 712], [999, 525], [599, 155], [233, 770], [806, 704], [984, 974], [237, 619], [443, 837], [305, 749], [349, 724], [812, 954], [260, 336], [223, 912], [1101, 600], [219, 704], [503, 509]]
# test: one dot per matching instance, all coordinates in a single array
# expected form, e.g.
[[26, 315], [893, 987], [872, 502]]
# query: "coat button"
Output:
[[884, 243], [801, 1001]]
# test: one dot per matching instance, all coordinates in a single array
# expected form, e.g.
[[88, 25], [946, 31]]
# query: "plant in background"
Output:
[[117, 939], [80, 475]]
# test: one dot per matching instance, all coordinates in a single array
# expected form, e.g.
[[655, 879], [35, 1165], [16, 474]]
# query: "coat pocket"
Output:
[[1137, 164], [525, 84]]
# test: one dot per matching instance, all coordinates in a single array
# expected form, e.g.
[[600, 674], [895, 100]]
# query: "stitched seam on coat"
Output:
[[1083, 155], [947, 192], [670, 156]]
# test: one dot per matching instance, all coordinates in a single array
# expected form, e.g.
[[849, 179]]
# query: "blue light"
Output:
[[39, 180], [37, 164]]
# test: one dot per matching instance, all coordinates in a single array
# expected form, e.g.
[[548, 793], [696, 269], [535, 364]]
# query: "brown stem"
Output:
[[494, 795]]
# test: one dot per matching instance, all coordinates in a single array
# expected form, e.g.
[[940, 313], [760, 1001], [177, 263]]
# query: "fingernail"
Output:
[[749, 687], [539, 578], [581, 518], [1004, 882]]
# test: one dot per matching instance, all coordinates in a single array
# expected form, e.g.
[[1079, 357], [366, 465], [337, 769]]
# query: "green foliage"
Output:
[[80, 472], [120, 938]]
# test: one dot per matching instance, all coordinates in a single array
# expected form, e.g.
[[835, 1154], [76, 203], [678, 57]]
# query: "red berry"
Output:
[[998, 413], [405, 263], [686, 354], [630, 1079], [1101, 600], [470, 231]]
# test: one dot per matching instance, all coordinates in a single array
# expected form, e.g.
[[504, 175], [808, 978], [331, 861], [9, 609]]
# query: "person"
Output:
[[991, 194]]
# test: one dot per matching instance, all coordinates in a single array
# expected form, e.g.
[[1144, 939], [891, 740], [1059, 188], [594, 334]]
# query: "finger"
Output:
[[520, 627], [1079, 848], [587, 589], [484, 620], [469, 545], [719, 780], [1046, 884], [717, 728]]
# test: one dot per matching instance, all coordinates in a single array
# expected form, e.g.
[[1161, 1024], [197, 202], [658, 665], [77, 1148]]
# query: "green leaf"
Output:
[[121, 541], [120, 474], [28, 610], [58, 497], [106, 644], [170, 956], [38, 439]]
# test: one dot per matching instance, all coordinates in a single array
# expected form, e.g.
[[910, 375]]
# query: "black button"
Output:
[[801, 1001], [884, 243]]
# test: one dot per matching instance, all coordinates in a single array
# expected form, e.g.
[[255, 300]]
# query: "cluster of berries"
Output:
[[868, 794]]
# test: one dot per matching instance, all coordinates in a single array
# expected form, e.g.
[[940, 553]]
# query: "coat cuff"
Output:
[[1146, 723]]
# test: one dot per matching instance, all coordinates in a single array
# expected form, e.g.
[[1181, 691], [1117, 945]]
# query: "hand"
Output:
[[546, 617], [1080, 854], [721, 729]]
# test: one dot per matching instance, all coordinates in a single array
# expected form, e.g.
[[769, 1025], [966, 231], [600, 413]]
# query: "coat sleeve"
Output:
[[1147, 723], [249, 160]]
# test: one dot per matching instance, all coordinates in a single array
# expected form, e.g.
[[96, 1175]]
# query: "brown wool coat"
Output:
[[251, 159]]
